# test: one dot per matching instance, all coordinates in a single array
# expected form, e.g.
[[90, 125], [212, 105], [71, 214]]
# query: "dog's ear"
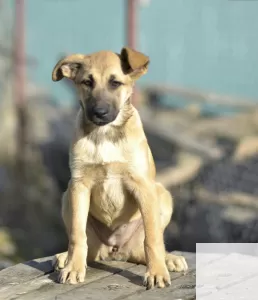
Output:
[[67, 67], [134, 63]]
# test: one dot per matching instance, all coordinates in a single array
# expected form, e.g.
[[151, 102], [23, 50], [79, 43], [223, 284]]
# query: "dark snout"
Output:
[[101, 113]]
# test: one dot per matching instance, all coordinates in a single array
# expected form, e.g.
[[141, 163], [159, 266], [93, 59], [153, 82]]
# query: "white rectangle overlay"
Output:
[[227, 271]]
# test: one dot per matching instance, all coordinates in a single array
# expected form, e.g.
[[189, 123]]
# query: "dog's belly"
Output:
[[112, 204]]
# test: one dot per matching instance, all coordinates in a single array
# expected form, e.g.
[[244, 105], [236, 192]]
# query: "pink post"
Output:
[[131, 31]]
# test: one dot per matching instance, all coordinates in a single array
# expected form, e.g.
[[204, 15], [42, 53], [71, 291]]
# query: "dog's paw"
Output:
[[176, 263], [59, 261], [75, 268], [72, 273], [158, 276]]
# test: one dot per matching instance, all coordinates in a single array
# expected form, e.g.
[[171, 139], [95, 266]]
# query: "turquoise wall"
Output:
[[206, 44], [72, 26], [203, 44]]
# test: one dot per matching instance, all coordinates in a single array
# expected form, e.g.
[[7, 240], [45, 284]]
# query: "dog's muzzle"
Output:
[[102, 114]]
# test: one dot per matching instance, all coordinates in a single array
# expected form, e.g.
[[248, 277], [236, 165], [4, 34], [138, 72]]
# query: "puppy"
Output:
[[112, 208]]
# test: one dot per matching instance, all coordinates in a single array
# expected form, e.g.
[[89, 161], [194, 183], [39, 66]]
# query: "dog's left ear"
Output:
[[134, 63]]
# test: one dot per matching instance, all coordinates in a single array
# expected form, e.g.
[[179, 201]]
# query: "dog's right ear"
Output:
[[67, 67]]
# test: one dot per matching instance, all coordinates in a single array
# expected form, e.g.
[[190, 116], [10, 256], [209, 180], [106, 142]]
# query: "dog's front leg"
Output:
[[146, 197], [75, 218]]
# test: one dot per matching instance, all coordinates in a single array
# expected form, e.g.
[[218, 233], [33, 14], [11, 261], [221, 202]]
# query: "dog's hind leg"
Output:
[[136, 244], [59, 261]]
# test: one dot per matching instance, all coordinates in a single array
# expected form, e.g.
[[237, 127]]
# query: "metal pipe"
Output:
[[131, 23], [131, 36]]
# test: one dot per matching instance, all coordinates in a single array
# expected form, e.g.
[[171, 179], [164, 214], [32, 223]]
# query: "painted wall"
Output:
[[203, 44], [207, 44], [70, 26]]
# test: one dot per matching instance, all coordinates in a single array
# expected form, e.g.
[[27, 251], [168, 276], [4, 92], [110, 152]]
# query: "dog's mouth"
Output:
[[102, 121]]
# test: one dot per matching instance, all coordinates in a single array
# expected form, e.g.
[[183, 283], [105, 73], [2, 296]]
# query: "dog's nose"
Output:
[[100, 111]]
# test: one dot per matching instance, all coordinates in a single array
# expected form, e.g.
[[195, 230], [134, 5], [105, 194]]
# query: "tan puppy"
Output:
[[112, 188]]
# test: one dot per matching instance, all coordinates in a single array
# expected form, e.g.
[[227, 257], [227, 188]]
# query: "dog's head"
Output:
[[104, 80]]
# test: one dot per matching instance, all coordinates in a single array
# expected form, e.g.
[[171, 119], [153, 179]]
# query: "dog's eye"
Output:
[[115, 83], [88, 82]]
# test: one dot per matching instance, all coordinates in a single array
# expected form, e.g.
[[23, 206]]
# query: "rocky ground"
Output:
[[218, 201]]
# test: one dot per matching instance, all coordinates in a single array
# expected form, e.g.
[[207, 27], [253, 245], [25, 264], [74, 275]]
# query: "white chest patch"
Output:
[[104, 152]]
